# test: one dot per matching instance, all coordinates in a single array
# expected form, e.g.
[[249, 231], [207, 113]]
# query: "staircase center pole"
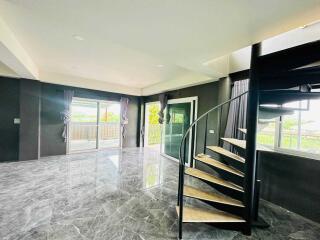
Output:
[[252, 119]]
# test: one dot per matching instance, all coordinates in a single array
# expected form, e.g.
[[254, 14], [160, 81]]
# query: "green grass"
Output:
[[308, 143], [265, 139]]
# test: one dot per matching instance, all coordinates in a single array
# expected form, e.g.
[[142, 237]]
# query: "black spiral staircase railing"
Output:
[[275, 78], [227, 185], [230, 197]]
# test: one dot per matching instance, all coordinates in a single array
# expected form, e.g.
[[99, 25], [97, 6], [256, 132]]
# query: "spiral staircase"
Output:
[[229, 166]]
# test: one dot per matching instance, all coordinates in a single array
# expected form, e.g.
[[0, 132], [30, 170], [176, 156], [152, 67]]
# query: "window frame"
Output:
[[278, 134], [97, 124]]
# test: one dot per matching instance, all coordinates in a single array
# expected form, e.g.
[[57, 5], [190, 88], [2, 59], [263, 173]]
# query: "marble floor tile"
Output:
[[113, 194]]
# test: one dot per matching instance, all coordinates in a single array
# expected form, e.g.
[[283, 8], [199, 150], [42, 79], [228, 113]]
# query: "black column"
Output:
[[140, 121], [252, 117]]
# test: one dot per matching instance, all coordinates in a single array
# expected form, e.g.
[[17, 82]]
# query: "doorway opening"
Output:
[[152, 136], [94, 124], [166, 138], [178, 116]]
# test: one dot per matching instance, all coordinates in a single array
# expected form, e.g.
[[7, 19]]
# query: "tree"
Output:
[[153, 113]]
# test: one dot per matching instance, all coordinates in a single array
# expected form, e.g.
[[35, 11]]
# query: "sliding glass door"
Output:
[[83, 126], [94, 124], [179, 114], [109, 124]]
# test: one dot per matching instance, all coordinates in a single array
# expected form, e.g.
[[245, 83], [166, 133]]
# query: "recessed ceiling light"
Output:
[[77, 37], [160, 66]]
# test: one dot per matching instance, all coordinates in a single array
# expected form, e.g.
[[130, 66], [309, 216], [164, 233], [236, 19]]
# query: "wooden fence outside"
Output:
[[88, 131], [154, 134]]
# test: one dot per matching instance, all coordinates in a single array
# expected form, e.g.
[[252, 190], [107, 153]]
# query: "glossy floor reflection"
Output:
[[112, 194]]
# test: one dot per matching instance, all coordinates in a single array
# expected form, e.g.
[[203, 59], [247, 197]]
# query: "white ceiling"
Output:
[[125, 41], [6, 71]]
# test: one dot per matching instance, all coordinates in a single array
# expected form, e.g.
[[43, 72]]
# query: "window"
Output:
[[297, 132], [289, 131], [266, 132], [94, 124], [310, 128]]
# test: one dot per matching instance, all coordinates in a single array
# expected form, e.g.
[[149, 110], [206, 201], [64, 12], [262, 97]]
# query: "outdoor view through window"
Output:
[[297, 131], [94, 124]]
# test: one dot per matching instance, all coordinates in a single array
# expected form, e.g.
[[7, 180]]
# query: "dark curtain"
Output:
[[237, 112], [66, 114], [163, 98], [124, 103]]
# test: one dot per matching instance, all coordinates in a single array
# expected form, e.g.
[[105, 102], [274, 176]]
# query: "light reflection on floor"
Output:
[[112, 194]]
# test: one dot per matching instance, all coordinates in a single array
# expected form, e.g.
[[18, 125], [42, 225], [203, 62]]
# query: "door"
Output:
[[179, 114], [109, 124], [94, 124], [83, 125]]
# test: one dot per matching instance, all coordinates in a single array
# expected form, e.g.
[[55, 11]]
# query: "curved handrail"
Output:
[[199, 118], [182, 162]]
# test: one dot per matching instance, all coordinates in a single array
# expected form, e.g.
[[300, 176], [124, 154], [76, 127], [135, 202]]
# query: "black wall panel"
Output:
[[291, 182], [51, 122], [9, 109], [30, 92]]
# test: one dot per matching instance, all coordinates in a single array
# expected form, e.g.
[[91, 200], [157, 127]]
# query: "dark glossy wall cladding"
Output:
[[291, 182], [51, 142], [9, 109], [38, 105], [30, 96]]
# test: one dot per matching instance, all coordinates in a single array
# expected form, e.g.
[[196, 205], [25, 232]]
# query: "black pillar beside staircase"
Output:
[[252, 120]]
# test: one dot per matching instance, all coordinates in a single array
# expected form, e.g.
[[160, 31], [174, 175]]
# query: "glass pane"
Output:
[[177, 121], [153, 128], [292, 104], [266, 132], [83, 125], [109, 125], [289, 131], [310, 128], [297, 105]]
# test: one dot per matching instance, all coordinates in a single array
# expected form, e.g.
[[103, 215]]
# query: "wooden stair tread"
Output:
[[242, 144], [226, 153], [210, 196], [236, 142], [213, 179], [191, 214], [244, 130], [215, 163]]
